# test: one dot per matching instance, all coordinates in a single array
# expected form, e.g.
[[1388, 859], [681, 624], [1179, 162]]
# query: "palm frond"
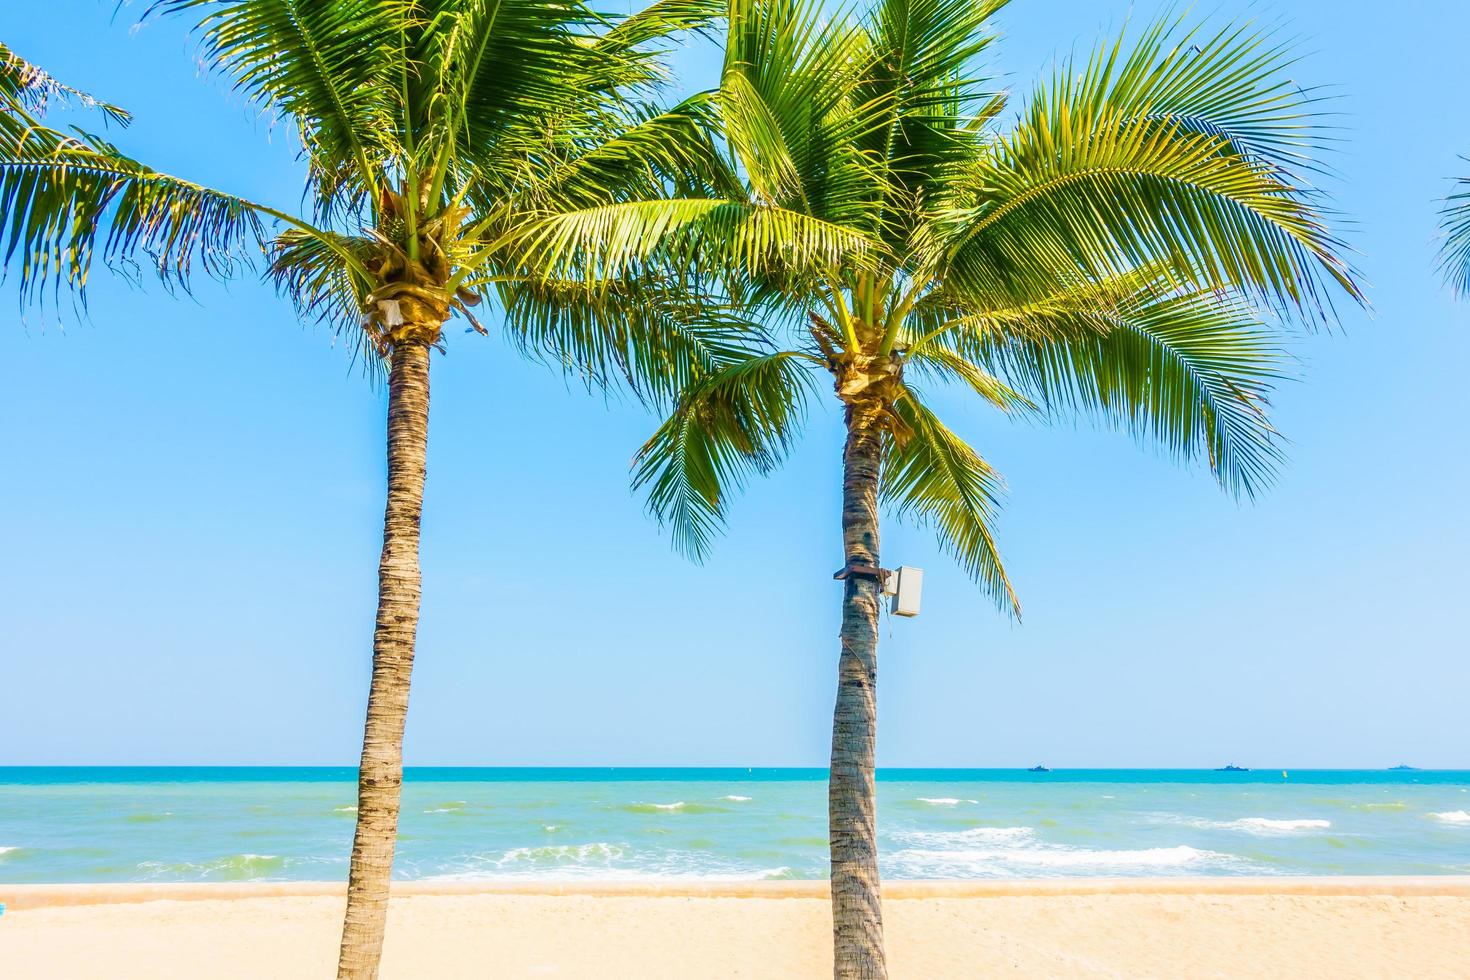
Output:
[[1454, 224], [1098, 178], [27, 87], [793, 113], [926, 75], [671, 152], [312, 271], [727, 426], [1234, 83], [661, 19], [493, 67], [932, 477], [656, 335], [1191, 371], [950, 366], [615, 240], [334, 68], [66, 201]]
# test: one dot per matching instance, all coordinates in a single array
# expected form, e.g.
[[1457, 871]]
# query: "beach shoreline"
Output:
[[1074, 927], [36, 896]]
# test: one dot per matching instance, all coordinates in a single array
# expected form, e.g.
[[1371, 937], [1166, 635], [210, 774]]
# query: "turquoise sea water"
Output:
[[208, 824]]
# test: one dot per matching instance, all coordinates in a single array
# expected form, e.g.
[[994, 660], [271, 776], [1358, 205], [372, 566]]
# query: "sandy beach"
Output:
[[1399, 927]]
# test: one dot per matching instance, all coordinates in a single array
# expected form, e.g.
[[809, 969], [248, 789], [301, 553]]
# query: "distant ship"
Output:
[[1403, 768], [1038, 769], [1233, 768]]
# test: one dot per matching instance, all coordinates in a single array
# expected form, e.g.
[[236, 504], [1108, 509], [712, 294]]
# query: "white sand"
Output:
[[1314, 928]]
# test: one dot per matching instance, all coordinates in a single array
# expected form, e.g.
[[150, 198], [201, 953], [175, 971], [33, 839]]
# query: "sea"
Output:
[[277, 824]]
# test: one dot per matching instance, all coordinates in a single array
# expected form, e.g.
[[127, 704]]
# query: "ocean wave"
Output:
[[676, 807], [602, 873], [561, 854], [736, 799], [965, 838], [457, 806], [1058, 859], [235, 867], [1258, 826], [985, 852], [943, 800], [1268, 825], [601, 860], [344, 809], [7, 850], [1452, 816]]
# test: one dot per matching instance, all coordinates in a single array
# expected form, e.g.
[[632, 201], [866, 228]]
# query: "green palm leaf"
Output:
[[66, 200], [618, 239], [313, 271], [1136, 160], [1192, 371], [729, 425], [30, 88], [330, 67], [657, 335], [1454, 223], [933, 477]]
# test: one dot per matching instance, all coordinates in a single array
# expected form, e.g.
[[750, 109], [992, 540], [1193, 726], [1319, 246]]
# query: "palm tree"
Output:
[[432, 129], [1129, 248]]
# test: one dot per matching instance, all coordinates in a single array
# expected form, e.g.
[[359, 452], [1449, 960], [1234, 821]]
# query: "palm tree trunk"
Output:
[[380, 777], [857, 912]]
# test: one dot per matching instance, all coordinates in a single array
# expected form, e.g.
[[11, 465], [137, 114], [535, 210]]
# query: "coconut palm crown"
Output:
[[431, 130], [1131, 246]]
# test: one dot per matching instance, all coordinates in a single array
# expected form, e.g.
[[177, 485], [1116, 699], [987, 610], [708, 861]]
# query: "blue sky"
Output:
[[192, 499]]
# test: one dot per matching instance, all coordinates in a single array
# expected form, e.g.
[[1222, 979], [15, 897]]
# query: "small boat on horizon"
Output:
[[1038, 769], [1233, 768]]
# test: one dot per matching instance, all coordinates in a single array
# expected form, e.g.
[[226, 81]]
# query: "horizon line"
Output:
[[733, 768]]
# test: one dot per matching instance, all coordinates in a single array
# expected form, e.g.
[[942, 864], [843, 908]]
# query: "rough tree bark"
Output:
[[857, 912], [380, 776]]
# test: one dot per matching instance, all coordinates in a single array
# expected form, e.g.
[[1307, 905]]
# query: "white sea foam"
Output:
[[943, 801], [1452, 816], [561, 853], [736, 799], [1258, 826], [965, 838], [454, 807], [669, 806], [344, 809], [601, 861], [235, 867], [605, 873], [1266, 825], [6, 850], [1041, 859], [1019, 851]]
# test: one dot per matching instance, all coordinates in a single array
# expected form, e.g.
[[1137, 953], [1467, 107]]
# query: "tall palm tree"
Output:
[[432, 129], [1129, 247]]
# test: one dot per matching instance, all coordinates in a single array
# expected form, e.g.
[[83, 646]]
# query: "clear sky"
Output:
[[192, 491]]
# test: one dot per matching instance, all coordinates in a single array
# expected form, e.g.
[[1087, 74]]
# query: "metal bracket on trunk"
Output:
[[851, 570]]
